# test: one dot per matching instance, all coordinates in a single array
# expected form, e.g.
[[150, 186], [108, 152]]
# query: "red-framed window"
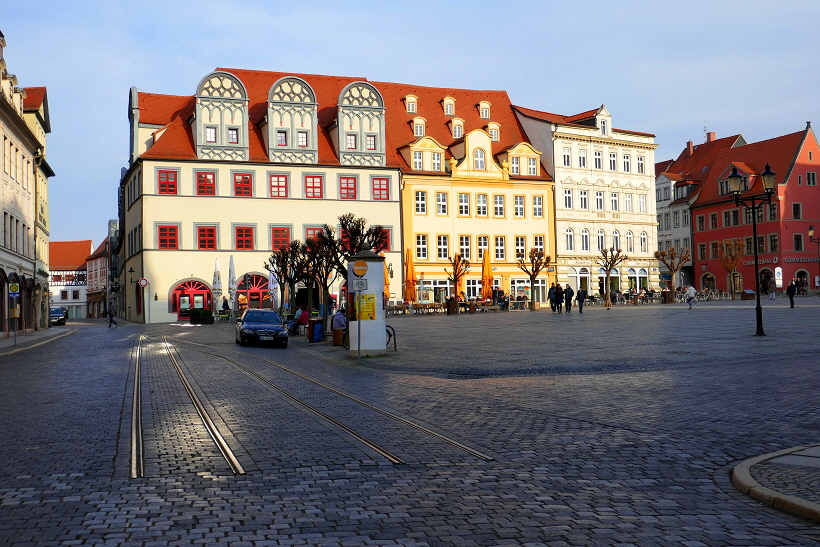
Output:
[[386, 232], [344, 237], [313, 233], [206, 184], [278, 186], [313, 187], [233, 136], [381, 189], [243, 184], [371, 142], [167, 182], [303, 139], [279, 237], [244, 237], [281, 138], [167, 237], [206, 237], [347, 188], [210, 134]]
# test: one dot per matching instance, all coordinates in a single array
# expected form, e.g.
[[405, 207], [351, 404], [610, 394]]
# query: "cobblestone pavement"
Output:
[[615, 427]]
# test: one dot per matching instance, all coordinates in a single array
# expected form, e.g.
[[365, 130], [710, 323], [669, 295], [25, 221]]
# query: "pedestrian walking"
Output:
[[551, 296], [580, 297], [559, 297], [111, 318], [791, 290], [690, 295], [772, 287], [568, 294]]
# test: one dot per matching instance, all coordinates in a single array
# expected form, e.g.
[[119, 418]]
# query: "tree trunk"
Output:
[[532, 293], [607, 299], [732, 284]]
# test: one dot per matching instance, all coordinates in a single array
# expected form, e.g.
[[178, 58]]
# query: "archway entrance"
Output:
[[579, 278], [614, 280], [191, 294], [254, 296], [707, 281], [735, 283], [802, 281], [763, 283], [638, 279]]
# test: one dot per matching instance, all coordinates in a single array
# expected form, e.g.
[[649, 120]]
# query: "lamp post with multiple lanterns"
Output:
[[815, 240], [751, 203]]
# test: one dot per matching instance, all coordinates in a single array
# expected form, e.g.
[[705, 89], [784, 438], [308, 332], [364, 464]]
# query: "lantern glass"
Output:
[[735, 181], [768, 177]]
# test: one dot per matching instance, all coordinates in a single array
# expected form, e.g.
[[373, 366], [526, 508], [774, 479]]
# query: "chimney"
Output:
[[690, 149], [710, 136]]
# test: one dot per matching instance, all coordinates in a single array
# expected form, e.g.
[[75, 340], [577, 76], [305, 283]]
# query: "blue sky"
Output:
[[668, 68]]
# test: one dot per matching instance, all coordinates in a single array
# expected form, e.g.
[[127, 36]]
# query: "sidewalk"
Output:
[[33, 339], [787, 480]]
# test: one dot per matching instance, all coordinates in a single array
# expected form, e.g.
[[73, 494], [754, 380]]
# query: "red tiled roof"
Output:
[[176, 140], [100, 251], [34, 98], [662, 166], [778, 152], [696, 167], [571, 120], [68, 255]]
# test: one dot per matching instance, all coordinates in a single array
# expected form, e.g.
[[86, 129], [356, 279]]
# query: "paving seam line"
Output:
[[743, 481], [38, 344]]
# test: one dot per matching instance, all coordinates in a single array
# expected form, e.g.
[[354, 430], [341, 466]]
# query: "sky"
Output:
[[674, 69]]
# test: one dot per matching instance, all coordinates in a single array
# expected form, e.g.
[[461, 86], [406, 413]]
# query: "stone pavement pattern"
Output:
[[607, 428]]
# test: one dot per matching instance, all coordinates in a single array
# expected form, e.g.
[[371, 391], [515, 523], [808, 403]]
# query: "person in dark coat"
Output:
[[551, 296], [568, 294], [559, 297], [580, 297], [791, 290]]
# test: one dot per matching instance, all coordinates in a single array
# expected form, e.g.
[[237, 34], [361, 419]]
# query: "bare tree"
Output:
[[461, 267], [730, 253], [609, 260], [673, 260], [535, 263], [321, 263], [353, 234], [287, 264], [277, 265]]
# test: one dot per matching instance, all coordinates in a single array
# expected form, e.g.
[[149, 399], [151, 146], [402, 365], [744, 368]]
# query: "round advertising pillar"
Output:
[[365, 281]]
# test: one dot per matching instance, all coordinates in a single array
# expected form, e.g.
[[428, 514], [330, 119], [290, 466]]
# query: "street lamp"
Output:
[[815, 240], [736, 185]]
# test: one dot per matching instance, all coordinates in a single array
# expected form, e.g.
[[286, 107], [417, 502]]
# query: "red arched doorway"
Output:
[[255, 296], [191, 294]]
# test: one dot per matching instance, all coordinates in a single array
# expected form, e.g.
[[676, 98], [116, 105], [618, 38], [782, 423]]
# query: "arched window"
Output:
[[644, 242], [478, 157], [570, 240], [630, 242], [601, 240], [616, 239], [584, 239]]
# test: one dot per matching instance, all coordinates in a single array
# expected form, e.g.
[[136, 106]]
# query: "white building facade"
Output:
[[604, 196]]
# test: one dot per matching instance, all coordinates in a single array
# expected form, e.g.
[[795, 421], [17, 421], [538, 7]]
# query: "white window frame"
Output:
[[498, 205], [418, 129], [500, 248], [421, 246], [421, 202], [481, 205], [458, 131], [515, 167], [585, 240], [569, 237], [567, 157], [583, 199], [567, 198], [628, 203], [418, 161], [614, 201], [599, 201], [436, 161], [479, 159], [613, 161], [532, 167], [464, 204], [482, 245], [520, 246], [598, 160], [464, 246], [442, 247], [494, 135], [601, 240], [518, 206], [582, 159], [537, 206], [627, 164], [641, 166], [538, 243], [441, 203], [641, 203]]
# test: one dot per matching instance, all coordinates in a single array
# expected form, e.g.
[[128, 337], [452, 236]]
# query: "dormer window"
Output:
[[604, 130], [484, 110], [418, 130], [478, 160], [410, 103], [449, 109], [494, 130], [494, 135], [458, 131]]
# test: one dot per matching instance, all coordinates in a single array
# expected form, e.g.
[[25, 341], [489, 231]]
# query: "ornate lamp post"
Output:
[[751, 203], [815, 240]]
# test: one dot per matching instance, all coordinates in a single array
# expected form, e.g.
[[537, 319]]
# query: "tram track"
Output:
[[404, 421]]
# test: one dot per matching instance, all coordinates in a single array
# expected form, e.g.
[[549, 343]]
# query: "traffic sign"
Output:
[[143, 282], [359, 268], [14, 290], [359, 285]]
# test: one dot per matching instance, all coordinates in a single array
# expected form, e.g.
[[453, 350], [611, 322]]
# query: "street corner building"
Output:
[[255, 159], [24, 258]]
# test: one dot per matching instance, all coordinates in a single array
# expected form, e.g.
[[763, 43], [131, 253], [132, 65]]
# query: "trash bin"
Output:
[[314, 330], [472, 307], [338, 334]]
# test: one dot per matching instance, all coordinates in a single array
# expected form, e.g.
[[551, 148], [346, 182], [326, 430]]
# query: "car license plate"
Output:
[[266, 337]]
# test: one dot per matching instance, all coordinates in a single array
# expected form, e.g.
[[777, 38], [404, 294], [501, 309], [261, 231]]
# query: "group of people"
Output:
[[561, 298]]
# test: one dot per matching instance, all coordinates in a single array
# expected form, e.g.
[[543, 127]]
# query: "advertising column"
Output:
[[368, 326]]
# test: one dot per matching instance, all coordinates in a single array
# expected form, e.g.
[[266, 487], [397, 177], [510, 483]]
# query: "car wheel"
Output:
[[236, 340], [242, 341], [283, 344]]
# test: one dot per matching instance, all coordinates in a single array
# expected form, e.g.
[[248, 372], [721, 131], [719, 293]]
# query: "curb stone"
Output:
[[48, 340], [743, 481]]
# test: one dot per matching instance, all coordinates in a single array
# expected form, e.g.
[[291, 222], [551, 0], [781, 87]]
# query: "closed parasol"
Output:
[[410, 280], [486, 277]]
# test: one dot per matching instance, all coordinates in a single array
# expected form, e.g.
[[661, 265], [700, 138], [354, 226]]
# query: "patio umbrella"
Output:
[[386, 277], [272, 287], [216, 286], [486, 277], [232, 281], [410, 280]]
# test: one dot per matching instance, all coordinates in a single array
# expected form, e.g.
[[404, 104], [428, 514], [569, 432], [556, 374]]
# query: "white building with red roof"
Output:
[[604, 195], [24, 172], [69, 275]]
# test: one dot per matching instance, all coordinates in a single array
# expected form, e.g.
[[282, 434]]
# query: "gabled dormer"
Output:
[[448, 105], [221, 118], [419, 126], [476, 159], [359, 128], [521, 160], [603, 121], [290, 127], [411, 103], [425, 154], [494, 130], [484, 111], [456, 128]]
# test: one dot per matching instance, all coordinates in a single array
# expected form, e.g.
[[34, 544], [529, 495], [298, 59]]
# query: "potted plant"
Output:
[[207, 317], [195, 316]]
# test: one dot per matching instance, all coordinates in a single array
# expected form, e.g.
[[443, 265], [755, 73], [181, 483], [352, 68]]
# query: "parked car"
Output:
[[57, 317], [65, 312], [259, 326]]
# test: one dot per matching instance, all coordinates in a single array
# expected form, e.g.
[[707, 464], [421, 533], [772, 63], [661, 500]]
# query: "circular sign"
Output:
[[359, 268], [143, 282], [15, 287]]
